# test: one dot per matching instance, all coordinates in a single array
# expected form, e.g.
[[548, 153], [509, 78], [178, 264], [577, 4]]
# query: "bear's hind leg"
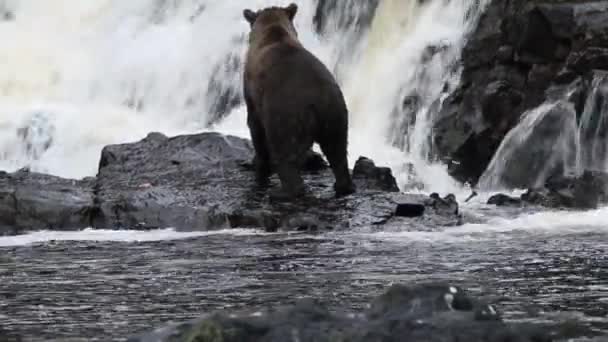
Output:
[[288, 150], [335, 152], [261, 161], [292, 184]]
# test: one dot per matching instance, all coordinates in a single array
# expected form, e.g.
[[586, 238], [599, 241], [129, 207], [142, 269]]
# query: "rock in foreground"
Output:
[[202, 182], [425, 312]]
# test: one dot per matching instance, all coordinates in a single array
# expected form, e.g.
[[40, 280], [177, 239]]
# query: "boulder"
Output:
[[518, 51], [369, 176], [202, 182], [34, 201], [431, 312], [446, 206]]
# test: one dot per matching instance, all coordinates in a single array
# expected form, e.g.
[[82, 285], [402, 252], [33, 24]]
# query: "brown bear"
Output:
[[292, 101]]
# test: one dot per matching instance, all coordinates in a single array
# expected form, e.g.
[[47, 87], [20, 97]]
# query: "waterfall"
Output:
[[77, 76], [552, 139], [543, 141], [594, 127]]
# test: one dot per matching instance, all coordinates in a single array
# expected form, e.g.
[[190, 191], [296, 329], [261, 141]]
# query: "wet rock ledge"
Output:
[[431, 312], [202, 182], [586, 191]]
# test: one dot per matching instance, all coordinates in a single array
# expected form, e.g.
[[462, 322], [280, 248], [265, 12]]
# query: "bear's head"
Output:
[[272, 16]]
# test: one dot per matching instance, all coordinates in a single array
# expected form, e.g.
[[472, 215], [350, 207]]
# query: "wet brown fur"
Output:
[[292, 101]]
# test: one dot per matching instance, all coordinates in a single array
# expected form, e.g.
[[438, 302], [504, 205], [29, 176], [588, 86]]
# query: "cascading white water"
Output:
[[544, 140], [550, 138], [594, 127], [76, 76]]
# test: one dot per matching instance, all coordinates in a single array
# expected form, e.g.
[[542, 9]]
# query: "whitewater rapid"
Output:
[[79, 76], [551, 224]]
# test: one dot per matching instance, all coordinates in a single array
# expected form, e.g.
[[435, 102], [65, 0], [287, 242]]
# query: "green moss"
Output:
[[337, 336], [206, 331], [211, 330]]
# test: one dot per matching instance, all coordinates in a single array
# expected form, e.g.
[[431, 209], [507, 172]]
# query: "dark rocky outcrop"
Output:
[[517, 52], [36, 201], [587, 191], [425, 312], [201, 182]]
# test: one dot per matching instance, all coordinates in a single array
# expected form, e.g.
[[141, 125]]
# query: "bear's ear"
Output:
[[292, 10], [250, 16]]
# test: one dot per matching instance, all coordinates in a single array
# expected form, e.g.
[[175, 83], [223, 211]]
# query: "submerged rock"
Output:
[[425, 312], [503, 200], [586, 191], [201, 182], [446, 205]]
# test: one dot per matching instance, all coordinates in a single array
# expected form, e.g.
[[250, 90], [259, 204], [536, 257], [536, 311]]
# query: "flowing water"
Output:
[[78, 75], [545, 139], [551, 138]]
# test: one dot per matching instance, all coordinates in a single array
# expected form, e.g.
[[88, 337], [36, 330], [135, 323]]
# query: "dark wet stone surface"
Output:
[[100, 291], [201, 182], [41, 201], [586, 191]]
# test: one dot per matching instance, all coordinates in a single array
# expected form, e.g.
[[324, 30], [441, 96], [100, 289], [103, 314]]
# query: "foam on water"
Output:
[[553, 223], [102, 235]]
